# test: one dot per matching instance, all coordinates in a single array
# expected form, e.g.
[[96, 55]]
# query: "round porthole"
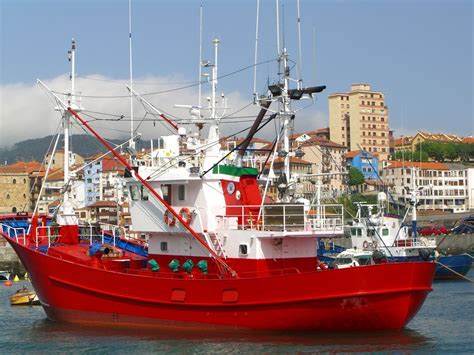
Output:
[[237, 195], [230, 188]]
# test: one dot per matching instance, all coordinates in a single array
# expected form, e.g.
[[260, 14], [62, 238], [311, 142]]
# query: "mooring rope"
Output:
[[455, 272]]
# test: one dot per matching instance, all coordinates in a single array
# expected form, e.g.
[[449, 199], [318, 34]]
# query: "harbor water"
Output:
[[443, 325]]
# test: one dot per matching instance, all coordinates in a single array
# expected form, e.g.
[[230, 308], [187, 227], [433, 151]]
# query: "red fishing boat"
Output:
[[216, 254]]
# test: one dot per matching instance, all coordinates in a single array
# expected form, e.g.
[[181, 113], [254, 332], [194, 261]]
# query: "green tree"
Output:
[[355, 177]]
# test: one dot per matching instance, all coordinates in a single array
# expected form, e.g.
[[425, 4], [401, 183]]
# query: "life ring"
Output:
[[365, 245], [185, 214], [169, 218]]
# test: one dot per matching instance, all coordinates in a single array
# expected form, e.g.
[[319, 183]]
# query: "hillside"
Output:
[[35, 149]]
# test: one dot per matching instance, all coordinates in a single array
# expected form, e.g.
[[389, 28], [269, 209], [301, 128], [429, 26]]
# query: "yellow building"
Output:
[[409, 143], [359, 120]]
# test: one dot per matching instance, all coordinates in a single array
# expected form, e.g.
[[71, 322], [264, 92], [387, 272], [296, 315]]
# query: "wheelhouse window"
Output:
[[144, 193], [134, 193], [181, 192]]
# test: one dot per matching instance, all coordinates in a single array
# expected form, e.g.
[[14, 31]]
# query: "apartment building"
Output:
[[103, 180], [447, 187], [58, 159], [359, 120]]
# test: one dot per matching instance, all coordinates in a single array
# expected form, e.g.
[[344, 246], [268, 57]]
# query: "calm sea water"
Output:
[[445, 324]]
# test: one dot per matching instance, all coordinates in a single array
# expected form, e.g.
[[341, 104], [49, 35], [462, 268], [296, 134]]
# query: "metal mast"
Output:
[[132, 141], [67, 216]]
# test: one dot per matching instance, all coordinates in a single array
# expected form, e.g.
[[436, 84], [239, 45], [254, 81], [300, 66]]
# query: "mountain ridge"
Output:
[[35, 149]]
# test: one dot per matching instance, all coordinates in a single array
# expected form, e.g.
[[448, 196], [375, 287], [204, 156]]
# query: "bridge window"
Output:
[[134, 193], [181, 192], [144, 193]]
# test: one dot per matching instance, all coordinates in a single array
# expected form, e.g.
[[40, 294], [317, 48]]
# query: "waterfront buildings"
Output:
[[359, 120], [447, 187]]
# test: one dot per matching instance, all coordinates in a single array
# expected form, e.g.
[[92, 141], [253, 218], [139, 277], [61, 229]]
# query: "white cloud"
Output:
[[28, 112]]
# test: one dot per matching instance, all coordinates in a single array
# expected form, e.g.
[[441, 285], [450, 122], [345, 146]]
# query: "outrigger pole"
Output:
[[221, 264]]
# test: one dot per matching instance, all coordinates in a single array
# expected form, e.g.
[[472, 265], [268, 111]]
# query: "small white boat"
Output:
[[352, 258], [5, 275]]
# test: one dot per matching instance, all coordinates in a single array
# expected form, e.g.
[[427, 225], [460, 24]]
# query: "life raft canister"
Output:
[[169, 218], [185, 214]]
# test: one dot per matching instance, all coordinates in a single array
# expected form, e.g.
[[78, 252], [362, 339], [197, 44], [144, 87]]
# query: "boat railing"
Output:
[[49, 233], [419, 242], [284, 217], [19, 233]]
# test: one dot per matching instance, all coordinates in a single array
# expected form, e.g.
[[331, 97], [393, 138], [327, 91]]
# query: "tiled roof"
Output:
[[403, 141], [469, 140], [101, 203], [322, 142], [21, 167], [420, 165], [354, 153], [111, 164]]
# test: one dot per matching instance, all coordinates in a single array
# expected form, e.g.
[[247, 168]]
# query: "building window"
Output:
[[182, 190], [8, 196], [14, 181], [382, 119], [24, 196], [381, 104], [14, 210], [24, 181], [363, 133], [342, 128], [363, 102]]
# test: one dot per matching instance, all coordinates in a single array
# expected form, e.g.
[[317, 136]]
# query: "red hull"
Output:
[[377, 297]]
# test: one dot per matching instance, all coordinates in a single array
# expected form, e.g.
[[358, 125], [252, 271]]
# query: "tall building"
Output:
[[359, 120]]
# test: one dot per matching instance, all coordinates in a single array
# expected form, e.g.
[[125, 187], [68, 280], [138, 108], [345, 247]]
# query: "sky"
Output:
[[418, 52]]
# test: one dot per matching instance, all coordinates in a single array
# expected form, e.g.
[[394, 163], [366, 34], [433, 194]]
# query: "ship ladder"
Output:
[[214, 242]]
